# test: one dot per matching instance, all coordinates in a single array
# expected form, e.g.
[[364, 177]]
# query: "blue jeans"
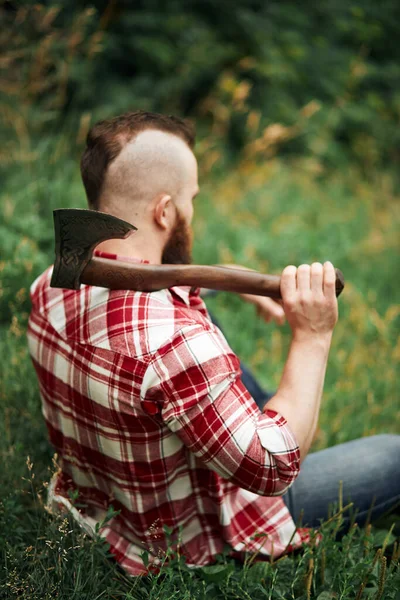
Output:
[[369, 468]]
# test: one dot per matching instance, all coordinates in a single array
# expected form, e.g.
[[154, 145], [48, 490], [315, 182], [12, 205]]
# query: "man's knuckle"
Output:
[[305, 298], [319, 303], [290, 302], [331, 303], [329, 282]]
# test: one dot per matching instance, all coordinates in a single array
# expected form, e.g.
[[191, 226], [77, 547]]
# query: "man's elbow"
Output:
[[273, 479], [283, 478], [288, 471], [283, 485]]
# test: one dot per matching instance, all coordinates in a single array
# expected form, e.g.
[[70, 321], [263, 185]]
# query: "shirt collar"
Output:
[[132, 259], [184, 292]]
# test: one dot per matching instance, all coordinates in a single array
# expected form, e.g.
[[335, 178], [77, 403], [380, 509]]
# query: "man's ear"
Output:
[[164, 212]]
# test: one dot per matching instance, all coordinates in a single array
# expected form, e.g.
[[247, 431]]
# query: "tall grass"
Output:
[[49, 557]]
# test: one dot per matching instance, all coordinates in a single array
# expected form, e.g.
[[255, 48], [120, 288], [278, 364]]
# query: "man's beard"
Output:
[[178, 249]]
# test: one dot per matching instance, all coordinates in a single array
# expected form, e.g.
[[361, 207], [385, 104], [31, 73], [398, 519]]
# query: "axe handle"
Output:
[[118, 275]]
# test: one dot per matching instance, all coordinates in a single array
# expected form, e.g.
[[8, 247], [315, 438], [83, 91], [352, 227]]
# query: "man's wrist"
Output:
[[320, 340]]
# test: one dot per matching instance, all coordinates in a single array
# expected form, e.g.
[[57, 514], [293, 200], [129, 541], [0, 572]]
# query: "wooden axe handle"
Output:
[[118, 275]]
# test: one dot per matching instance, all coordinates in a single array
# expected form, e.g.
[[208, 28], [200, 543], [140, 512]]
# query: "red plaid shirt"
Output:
[[146, 409]]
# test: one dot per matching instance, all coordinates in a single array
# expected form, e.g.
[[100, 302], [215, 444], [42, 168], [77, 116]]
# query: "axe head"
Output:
[[77, 233]]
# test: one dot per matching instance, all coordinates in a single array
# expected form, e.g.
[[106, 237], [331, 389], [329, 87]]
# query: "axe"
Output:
[[78, 231]]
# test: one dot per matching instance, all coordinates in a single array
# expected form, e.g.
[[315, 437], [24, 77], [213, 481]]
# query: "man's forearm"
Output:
[[298, 397]]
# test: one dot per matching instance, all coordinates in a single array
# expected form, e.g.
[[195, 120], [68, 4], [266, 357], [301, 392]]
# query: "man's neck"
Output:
[[144, 251]]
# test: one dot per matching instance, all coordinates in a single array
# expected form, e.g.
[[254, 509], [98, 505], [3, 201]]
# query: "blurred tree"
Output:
[[237, 67]]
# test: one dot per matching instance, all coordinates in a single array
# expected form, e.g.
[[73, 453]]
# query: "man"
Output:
[[144, 399]]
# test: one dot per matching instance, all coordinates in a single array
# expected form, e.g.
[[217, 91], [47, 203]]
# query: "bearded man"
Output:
[[150, 410]]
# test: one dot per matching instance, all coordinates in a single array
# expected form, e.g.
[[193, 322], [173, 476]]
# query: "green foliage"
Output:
[[327, 72]]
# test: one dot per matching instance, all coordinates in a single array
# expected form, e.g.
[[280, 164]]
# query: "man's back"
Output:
[[145, 408]]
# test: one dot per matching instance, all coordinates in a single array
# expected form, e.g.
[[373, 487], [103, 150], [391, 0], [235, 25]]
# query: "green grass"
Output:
[[264, 217]]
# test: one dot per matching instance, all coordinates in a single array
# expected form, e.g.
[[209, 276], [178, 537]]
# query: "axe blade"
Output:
[[77, 233]]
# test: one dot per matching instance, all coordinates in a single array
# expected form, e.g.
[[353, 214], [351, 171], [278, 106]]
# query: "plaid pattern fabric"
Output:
[[145, 407]]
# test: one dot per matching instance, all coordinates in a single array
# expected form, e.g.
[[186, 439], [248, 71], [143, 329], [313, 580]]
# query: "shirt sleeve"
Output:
[[193, 382]]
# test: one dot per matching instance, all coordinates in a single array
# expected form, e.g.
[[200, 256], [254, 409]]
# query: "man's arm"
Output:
[[299, 394], [193, 384], [310, 300], [311, 307]]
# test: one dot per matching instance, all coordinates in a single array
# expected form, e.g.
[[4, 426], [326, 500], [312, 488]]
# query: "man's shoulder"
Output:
[[135, 324], [149, 320], [164, 318]]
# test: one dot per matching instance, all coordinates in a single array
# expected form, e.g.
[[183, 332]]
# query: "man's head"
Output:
[[141, 168]]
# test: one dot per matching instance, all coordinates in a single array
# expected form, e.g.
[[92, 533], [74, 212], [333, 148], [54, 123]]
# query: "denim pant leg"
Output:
[[368, 467], [259, 395]]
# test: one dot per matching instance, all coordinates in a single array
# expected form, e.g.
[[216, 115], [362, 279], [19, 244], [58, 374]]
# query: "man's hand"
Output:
[[309, 298], [267, 308]]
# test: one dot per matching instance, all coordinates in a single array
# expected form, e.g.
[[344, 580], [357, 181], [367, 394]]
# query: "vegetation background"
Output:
[[297, 107]]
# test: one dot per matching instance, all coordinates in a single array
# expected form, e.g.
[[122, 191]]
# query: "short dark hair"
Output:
[[106, 139]]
